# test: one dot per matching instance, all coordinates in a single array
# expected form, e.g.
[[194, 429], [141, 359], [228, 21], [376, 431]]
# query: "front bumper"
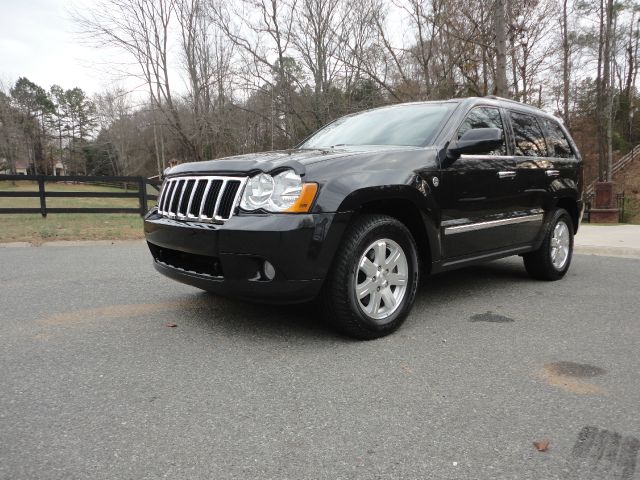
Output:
[[228, 259]]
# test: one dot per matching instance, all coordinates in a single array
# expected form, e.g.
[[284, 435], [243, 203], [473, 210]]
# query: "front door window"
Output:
[[484, 117]]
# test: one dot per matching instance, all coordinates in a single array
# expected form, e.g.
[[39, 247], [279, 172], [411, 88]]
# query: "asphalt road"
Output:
[[93, 384]]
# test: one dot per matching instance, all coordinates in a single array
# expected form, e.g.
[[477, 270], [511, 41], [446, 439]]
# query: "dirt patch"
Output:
[[567, 376], [491, 318], [572, 369]]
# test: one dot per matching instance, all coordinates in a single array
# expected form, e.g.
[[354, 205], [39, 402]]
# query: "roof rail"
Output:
[[496, 97]]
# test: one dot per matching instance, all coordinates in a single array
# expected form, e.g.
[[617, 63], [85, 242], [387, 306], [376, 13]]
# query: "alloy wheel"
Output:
[[381, 278], [560, 245]]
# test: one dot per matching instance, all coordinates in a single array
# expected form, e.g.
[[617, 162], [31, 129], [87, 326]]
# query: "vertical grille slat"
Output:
[[186, 198], [196, 201], [175, 199], [200, 198], [212, 197], [217, 205], [204, 197], [167, 205], [167, 197], [163, 195], [228, 197]]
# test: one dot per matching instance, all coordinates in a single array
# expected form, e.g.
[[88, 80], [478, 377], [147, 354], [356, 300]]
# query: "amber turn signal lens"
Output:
[[303, 204]]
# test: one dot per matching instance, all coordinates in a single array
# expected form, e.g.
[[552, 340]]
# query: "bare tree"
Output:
[[114, 110], [531, 49], [262, 32], [207, 57], [141, 28], [263, 74]]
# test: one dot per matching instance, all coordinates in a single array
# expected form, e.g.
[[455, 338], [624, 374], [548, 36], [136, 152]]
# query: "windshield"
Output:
[[404, 125]]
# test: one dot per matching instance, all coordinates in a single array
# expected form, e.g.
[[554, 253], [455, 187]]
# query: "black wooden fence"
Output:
[[140, 193]]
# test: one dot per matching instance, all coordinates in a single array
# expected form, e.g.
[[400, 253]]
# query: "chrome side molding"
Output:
[[470, 227]]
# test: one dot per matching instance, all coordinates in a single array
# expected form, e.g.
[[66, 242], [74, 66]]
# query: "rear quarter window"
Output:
[[528, 136], [558, 142]]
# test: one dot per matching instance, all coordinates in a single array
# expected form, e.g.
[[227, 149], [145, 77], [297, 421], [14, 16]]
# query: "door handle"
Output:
[[507, 174], [552, 173]]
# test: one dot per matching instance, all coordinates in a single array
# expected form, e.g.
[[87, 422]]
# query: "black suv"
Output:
[[369, 203]]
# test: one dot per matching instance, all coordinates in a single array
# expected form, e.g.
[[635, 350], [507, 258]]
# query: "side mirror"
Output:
[[476, 141]]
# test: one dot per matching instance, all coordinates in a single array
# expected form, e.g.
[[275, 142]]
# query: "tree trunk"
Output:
[[600, 94], [607, 111], [631, 73], [566, 73], [501, 49]]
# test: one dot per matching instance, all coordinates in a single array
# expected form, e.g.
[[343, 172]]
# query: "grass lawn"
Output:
[[68, 226]]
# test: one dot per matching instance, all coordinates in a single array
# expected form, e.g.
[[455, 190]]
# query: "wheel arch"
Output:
[[571, 206], [407, 205]]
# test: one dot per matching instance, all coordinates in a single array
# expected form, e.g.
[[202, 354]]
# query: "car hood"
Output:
[[270, 162]]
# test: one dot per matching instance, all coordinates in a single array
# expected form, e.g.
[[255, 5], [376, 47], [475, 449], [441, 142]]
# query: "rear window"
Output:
[[558, 142], [528, 136]]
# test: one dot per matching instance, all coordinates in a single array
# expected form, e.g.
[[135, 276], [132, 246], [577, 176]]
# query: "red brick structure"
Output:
[[604, 208]]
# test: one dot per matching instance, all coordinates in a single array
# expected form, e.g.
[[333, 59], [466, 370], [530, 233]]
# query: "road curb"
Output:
[[625, 252]]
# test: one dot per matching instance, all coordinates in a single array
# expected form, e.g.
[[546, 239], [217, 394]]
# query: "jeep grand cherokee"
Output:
[[359, 211]]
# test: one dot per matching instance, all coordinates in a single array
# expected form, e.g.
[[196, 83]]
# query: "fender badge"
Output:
[[435, 181]]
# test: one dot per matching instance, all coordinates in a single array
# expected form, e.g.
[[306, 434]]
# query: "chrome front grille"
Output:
[[200, 199]]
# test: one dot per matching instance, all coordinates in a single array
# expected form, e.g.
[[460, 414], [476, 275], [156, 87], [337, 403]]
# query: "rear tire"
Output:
[[373, 281], [551, 261]]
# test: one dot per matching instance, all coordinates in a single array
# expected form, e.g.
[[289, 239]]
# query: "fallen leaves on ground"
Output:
[[542, 445]]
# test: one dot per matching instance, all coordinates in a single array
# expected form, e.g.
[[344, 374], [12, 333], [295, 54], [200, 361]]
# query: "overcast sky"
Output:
[[38, 41]]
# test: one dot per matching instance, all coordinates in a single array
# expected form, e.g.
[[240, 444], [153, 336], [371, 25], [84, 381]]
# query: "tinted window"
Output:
[[484, 117], [409, 125], [556, 139], [528, 136]]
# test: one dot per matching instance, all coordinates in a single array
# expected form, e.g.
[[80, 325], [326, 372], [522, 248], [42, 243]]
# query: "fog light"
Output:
[[268, 270]]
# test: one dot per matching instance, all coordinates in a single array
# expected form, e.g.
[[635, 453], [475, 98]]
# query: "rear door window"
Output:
[[484, 117], [528, 136], [558, 142]]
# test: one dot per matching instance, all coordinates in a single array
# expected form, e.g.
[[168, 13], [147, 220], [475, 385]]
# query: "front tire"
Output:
[[373, 281], [551, 261]]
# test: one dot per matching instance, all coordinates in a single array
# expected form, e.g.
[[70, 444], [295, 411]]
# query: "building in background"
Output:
[[23, 168]]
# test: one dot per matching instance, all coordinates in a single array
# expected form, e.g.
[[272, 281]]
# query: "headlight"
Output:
[[284, 192], [257, 192]]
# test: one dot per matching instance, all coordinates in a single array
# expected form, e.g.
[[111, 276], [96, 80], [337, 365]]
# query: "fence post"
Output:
[[43, 198], [142, 191]]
